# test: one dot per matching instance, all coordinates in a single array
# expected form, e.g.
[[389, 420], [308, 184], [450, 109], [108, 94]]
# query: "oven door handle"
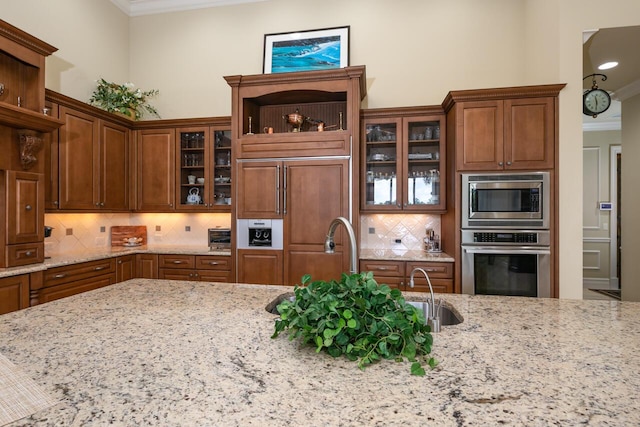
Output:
[[505, 250]]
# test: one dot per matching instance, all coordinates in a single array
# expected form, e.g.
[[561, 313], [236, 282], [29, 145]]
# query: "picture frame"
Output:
[[307, 50]]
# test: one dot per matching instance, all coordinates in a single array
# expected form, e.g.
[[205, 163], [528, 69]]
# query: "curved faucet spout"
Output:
[[329, 244]]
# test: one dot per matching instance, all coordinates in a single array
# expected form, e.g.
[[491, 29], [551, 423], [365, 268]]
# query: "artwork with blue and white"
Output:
[[306, 51], [306, 55]]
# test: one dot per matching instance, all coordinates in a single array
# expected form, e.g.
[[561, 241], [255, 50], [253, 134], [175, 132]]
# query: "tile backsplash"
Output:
[[381, 231], [77, 232]]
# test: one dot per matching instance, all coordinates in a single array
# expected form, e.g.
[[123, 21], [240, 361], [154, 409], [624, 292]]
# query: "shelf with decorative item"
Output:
[[123, 99]]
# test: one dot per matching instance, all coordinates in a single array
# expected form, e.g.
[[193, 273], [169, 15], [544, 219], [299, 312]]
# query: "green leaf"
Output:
[[347, 314], [417, 369], [352, 323]]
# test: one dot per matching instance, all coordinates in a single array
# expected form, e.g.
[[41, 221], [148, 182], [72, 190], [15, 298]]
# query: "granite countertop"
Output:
[[170, 353], [405, 255], [66, 258]]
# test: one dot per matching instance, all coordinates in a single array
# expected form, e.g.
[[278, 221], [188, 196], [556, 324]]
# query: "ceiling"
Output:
[[612, 44], [149, 7]]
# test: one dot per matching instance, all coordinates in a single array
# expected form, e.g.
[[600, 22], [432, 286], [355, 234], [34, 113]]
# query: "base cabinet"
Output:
[[397, 274], [14, 293], [260, 266], [125, 268], [64, 281], [204, 268], [147, 266]]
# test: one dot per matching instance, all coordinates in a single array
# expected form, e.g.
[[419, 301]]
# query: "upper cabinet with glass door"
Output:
[[403, 160], [204, 169]]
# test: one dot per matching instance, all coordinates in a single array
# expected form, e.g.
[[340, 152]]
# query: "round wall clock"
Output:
[[595, 100]]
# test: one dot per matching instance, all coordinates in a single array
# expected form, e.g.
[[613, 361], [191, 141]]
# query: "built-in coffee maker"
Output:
[[260, 234]]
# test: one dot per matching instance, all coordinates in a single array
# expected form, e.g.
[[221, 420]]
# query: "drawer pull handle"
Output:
[[28, 207], [382, 268], [28, 253], [177, 262], [59, 276], [213, 263], [99, 268]]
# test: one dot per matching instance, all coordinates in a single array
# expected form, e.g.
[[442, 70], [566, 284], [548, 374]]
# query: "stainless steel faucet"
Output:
[[329, 244], [431, 312]]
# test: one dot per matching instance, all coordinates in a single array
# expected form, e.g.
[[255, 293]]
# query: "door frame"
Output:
[[614, 280]]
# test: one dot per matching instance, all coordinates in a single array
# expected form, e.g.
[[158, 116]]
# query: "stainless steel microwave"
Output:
[[512, 200]]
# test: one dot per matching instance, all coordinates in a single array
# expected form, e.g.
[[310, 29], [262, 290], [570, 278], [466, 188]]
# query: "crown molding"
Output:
[[600, 126], [150, 7], [628, 91]]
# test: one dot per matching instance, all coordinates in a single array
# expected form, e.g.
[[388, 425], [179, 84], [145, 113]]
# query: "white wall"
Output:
[[92, 37]]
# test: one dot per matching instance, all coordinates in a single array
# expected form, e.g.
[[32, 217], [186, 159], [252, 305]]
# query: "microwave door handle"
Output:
[[505, 250]]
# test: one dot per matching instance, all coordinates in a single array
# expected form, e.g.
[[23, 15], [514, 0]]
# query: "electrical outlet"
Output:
[[187, 228], [398, 240], [372, 230], [69, 231], [103, 228], [158, 228]]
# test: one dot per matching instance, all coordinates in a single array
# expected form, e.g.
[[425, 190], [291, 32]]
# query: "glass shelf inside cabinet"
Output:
[[423, 160], [381, 164], [222, 168], [192, 168]]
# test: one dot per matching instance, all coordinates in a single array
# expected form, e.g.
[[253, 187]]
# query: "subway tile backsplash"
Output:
[[162, 229]]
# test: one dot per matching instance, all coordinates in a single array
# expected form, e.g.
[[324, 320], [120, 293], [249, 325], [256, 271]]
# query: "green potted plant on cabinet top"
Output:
[[123, 99]]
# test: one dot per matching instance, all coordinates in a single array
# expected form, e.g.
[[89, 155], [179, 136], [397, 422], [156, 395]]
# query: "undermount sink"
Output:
[[448, 314]]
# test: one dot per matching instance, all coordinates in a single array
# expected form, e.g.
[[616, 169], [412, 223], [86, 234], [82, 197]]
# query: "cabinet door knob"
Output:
[[508, 163], [28, 253], [500, 163], [97, 204], [28, 207]]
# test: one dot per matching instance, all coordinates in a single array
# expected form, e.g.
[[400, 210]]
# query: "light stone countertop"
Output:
[[170, 353], [66, 258], [404, 255]]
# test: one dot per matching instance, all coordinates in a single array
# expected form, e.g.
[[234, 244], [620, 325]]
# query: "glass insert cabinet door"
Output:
[[423, 151], [222, 168], [192, 167], [381, 154]]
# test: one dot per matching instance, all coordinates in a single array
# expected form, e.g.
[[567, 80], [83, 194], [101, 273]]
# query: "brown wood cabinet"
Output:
[[156, 171], [504, 134], [206, 268], [14, 293], [403, 160], [203, 152], [93, 156], [147, 266], [307, 195], [300, 174], [502, 129], [64, 281], [125, 268], [397, 274], [22, 215]]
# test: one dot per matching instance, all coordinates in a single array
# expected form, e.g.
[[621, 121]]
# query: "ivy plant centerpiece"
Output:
[[123, 99], [359, 319]]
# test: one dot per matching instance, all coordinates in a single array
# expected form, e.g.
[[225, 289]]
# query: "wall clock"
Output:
[[595, 100]]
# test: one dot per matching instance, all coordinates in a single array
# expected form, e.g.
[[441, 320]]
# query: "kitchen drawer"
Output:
[[177, 274], [435, 270], [51, 293], [24, 254], [223, 276], [383, 268], [176, 261], [210, 262], [74, 272]]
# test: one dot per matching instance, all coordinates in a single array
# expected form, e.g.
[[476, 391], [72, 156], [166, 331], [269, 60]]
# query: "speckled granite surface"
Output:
[[168, 353], [404, 255], [110, 252]]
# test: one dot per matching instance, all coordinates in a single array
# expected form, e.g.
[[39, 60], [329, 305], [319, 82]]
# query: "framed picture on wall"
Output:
[[306, 50]]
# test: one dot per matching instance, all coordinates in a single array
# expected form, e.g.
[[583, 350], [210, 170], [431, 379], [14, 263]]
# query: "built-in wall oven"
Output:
[[505, 237], [506, 262]]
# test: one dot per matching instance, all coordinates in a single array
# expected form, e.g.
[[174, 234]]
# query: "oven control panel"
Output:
[[483, 237], [506, 237]]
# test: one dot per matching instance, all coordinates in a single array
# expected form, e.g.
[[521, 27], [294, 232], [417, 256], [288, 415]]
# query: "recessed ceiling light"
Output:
[[608, 65]]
